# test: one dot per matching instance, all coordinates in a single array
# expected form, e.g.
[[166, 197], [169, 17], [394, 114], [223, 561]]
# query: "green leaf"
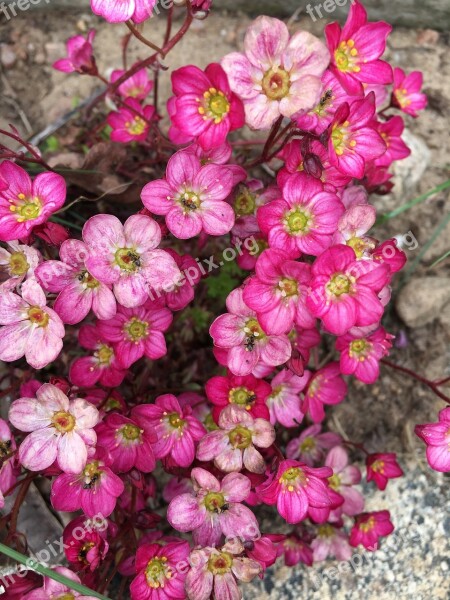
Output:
[[228, 277], [33, 565]]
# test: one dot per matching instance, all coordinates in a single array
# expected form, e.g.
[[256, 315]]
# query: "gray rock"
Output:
[[422, 300], [8, 57]]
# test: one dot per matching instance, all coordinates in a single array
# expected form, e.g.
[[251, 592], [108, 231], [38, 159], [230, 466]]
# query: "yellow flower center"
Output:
[[91, 474], [157, 571], [334, 481], [308, 444], [84, 551], [136, 330], [297, 221], [67, 596], [288, 287], [358, 245], [87, 280], [137, 126], [254, 333], [241, 396], [368, 525], [345, 57], [190, 201], [325, 531], [175, 421], [378, 466], [63, 421], [360, 349], [25, 208], [402, 97], [104, 354], [220, 563], [38, 317], [276, 83], [130, 433], [340, 138], [245, 202], [292, 478], [18, 264], [339, 284], [240, 437], [128, 259], [214, 105], [214, 502]]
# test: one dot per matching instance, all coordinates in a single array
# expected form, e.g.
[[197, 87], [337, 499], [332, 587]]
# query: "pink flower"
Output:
[[8, 465], [138, 86], [406, 94], [18, 262], [326, 386], [79, 55], [176, 429], [298, 490], [86, 551], [277, 75], [264, 550], [278, 291], [437, 438], [354, 141], [215, 571], [131, 123], [214, 509], [369, 527], [137, 332], [344, 291], [381, 468], [79, 291], [302, 341], [361, 355], [126, 257], [240, 332], [391, 131], [94, 489], [182, 294], [192, 197], [52, 589], [205, 109], [344, 477], [60, 429], [330, 541], [284, 401], [352, 227], [232, 447], [296, 551], [158, 574], [129, 441], [356, 50], [102, 367], [31, 329], [247, 391], [120, 11], [27, 203], [304, 220], [246, 200], [310, 445]]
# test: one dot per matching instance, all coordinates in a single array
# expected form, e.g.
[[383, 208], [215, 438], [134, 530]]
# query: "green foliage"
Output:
[[228, 277]]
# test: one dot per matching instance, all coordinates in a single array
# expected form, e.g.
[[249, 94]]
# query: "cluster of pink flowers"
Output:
[[257, 436]]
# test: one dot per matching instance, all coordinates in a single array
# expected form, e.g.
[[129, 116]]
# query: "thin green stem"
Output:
[[418, 200]]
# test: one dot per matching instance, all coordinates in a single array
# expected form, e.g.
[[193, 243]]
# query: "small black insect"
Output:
[[249, 343], [88, 486], [327, 96]]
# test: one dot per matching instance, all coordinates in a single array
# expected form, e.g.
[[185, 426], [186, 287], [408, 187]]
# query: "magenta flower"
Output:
[[437, 438], [311, 444], [278, 291], [391, 131], [344, 477], [87, 551], [205, 109], [216, 571], [126, 257], [344, 291], [129, 441], [102, 367], [18, 262], [192, 197], [177, 430], [94, 489], [246, 200], [277, 75], [8, 465], [214, 509], [369, 527], [131, 122], [247, 391], [284, 401], [52, 589], [361, 355], [233, 446], [182, 294], [138, 86], [304, 220], [330, 541], [382, 467], [79, 292], [31, 329], [354, 141], [158, 574], [296, 551], [137, 332], [298, 490], [60, 429], [26, 203], [79, 55], [326, 386], [406, 94], [356, 50], [120, 11], [240, 332]]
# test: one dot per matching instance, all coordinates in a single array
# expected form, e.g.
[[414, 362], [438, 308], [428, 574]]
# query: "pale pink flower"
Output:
[[277, 75], [137, 86], [311, 444], [284, 402], [52, 589], [18, 262], [60, 429], [119, 11], [437, 438], [330, 541], [344, 477], [31, 329]]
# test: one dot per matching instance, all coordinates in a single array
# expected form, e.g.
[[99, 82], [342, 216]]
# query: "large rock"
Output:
[[423, 299], [410, 13]]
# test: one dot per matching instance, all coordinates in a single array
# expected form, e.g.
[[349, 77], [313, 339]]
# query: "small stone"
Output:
[[8, 57], [428, 37], [422, 299]]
